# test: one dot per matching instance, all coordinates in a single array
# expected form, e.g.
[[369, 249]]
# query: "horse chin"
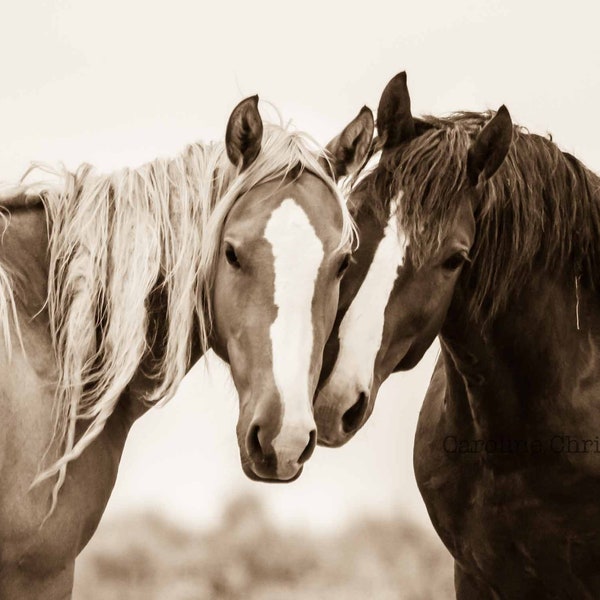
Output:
[[412, 358], [251, 474], [325, 443]]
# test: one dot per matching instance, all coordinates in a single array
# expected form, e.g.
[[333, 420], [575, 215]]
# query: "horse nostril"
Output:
[[353, 417], [253, 443], [307, 452]]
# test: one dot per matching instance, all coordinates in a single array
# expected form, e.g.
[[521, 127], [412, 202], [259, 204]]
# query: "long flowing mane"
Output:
[[540, 210], [119, 241]]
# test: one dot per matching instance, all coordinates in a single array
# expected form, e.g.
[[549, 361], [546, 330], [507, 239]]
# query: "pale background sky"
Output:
[[117, 82]]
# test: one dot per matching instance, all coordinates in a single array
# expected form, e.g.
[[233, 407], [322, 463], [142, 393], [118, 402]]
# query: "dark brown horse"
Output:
[[497, 251], [111, 287]]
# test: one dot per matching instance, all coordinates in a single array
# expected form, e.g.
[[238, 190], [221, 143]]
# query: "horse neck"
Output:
[[503, 372], [145, 381], [175, 201]]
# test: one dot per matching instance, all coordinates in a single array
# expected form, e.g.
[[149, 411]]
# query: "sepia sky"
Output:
[[119, 82]]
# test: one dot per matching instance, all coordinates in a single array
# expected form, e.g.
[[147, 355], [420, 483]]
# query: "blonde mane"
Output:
[[117, 239]]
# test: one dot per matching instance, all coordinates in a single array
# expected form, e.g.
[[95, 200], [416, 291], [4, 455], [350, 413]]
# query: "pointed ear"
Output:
[[490, 148], [244, 133], [346, 152], [395, 123]]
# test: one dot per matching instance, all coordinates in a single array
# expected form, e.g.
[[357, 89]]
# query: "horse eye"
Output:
[[454, 261], [231, 256], [344, 265]]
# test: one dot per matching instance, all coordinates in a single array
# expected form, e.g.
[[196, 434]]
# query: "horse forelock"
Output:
[[540, 210], [115, 240]]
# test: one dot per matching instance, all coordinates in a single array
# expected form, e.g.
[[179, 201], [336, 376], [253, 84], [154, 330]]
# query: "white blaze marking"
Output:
[[298, 253], [361, 329]]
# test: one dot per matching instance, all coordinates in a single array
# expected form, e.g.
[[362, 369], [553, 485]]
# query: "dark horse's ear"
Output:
[[347, 151], [490, 148], [395, 122], [244, 133]]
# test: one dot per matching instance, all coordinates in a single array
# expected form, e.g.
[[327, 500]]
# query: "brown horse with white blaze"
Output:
[[390, 311], [112, 286], [498, 253]]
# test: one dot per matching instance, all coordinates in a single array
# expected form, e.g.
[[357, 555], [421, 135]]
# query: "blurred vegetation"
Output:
[[247, 557]]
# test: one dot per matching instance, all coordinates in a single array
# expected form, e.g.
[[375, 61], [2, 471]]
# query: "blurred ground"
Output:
[[247, 557]]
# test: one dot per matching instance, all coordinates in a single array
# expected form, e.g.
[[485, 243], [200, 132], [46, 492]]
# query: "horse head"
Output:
[[396, 293]]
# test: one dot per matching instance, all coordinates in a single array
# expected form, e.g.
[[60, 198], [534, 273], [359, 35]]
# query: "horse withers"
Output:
[[112, 286], [493, 240]]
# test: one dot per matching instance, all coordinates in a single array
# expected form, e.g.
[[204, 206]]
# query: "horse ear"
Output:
[[395, 122], [490, 148], [244, 133], [346, 152]]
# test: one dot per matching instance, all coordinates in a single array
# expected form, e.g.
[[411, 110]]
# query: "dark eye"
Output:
[[454, 261], [231, 256], [343, 265]]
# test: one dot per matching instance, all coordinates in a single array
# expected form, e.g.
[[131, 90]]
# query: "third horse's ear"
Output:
[[243, 137], [347, 151], [490, 147]]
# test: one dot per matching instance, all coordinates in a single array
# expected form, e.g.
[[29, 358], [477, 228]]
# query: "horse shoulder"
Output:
[[26, 356]]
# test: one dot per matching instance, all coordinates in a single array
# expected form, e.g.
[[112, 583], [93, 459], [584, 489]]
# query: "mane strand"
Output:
[[541, 208]]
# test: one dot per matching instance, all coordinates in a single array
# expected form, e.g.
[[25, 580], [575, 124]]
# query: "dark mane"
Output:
[[540, 210]]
